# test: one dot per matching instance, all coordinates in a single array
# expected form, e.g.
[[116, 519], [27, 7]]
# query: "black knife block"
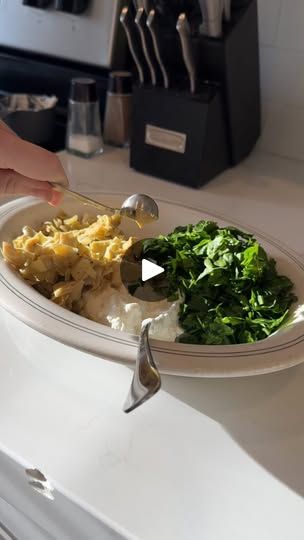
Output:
[[220, 124], [177, 136], [233, 62]]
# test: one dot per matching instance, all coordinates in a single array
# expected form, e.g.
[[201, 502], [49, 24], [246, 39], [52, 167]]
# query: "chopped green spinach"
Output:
[[231, 289]]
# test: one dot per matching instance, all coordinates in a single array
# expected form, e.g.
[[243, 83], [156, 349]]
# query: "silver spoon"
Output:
[[139, 207], [146, 378]]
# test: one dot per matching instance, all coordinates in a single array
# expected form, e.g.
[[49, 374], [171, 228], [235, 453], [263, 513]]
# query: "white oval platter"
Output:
[[282, 350]]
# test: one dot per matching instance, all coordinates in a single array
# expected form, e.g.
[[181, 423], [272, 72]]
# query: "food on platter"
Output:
[[68, 255], [223, 288], [231, 289]]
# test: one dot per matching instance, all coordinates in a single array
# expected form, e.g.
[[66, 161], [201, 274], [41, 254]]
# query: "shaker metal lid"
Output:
[[83, 90], [120, 82]]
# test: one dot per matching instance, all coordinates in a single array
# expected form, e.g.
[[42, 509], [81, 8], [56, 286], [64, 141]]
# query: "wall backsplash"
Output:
[[281, 24]]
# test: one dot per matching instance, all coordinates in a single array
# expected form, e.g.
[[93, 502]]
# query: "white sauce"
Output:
[[121, 311]]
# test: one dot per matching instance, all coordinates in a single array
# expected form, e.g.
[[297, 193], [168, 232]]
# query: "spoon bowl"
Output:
[[142, 208]]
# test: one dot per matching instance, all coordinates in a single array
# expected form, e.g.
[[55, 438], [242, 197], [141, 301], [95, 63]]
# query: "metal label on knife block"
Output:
[[166, 139]]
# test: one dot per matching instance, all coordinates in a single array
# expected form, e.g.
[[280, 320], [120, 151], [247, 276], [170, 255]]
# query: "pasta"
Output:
[[68, 256]]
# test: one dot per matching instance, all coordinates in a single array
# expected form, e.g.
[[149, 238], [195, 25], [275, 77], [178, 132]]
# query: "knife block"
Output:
[[178, 136], [189, 139], [233, 62]]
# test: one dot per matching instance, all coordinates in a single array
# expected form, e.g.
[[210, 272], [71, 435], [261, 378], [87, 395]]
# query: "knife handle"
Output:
[[227, 10], [153, 26], [147, 5], [127, 22], [212, 12], [137, 4], [183, 29], [141, 22]]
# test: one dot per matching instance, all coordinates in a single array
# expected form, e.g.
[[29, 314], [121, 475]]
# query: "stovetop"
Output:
[[57, 142], [22, 72]]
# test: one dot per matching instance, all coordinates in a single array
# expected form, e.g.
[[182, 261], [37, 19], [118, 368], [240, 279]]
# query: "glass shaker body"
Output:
[[117, 122], [83, 136]]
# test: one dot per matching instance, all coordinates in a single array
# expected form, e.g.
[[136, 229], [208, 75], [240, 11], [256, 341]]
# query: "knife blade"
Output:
[[153, 25], [127, 22], [183, 29], [147, 46], [212, 13]]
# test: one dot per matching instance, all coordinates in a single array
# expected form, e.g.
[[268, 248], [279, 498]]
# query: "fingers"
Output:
[[6, 128], [13, 183], [29, 160]]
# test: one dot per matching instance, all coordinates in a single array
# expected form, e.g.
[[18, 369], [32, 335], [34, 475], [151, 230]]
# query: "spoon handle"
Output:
[[85, 200], [146, 378]]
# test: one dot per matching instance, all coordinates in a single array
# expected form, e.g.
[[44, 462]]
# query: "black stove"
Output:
[[29, 73]]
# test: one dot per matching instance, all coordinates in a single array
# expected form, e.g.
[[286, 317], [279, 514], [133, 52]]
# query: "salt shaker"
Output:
[[84, 127], [117, 122]]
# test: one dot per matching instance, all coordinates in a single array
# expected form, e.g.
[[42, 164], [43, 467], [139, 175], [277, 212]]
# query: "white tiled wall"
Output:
[[281, 29]]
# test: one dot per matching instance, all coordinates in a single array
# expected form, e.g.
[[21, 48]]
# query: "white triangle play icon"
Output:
[[149, 270]]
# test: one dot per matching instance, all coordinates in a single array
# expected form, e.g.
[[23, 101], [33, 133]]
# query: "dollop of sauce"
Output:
[[121, 311], [142, 218]]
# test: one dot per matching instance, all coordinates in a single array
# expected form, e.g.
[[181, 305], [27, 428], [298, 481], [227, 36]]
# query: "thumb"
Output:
[[13, 183]]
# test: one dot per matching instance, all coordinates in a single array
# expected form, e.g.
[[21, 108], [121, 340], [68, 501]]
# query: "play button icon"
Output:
[[144, 278], [150, 270]]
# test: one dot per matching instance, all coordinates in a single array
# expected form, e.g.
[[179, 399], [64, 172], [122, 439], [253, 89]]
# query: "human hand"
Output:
[[27, 169]]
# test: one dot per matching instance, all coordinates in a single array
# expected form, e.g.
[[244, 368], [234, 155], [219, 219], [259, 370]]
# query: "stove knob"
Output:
[[37, 3], [72, 6]]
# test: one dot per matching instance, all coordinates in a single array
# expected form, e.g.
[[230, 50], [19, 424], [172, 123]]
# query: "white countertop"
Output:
[[212, 459]]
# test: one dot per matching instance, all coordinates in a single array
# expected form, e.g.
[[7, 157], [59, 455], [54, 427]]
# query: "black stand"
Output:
[[189, 139], [234, 63]]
